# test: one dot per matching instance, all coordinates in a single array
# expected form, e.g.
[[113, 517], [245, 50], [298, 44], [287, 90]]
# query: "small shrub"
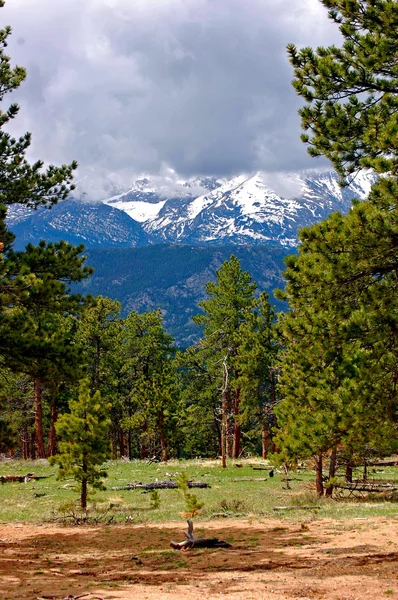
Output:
[[155, 499], [232, 506]]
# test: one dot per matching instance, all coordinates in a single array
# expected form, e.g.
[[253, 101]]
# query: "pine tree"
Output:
[[231, 299], [149, 379], [36, 323], [84, 444], [351, 91], [339, 364]]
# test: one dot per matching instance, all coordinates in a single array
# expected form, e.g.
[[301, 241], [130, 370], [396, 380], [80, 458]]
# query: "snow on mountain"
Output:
[[147, 196], [247, 209]]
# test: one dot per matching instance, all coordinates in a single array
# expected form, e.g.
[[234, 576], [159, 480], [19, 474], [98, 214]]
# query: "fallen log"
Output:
[[383, 463], [22, 478], [295, 507], [159, 485], [263, 468], [250, 479], [193, 542]]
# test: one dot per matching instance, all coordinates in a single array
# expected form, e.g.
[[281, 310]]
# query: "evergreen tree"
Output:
[[149, 379], [84, 444], [339, 365], [231, 299], [36, 322], [351, 91]]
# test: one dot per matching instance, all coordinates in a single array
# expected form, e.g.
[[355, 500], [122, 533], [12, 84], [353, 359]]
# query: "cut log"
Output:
[[160, 485], [193, 542], [295, 507]]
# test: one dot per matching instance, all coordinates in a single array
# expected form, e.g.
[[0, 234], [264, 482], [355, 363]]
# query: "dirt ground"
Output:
[[318, 559]]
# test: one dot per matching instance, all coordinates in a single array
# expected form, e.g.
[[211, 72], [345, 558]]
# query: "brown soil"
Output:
[[275, 560]]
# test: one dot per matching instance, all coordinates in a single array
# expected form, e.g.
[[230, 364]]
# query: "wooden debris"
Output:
[[250, 479], [22, 478], [193, 542], [383, 463], [263, 468], [160, 485], [71, 597], [357, 487], [296, 507]]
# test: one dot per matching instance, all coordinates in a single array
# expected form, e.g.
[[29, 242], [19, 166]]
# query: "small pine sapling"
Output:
[[83, 445], [192, 502], [155, 499]]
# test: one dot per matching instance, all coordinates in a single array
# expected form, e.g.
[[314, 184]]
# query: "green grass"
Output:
[[234, 493]]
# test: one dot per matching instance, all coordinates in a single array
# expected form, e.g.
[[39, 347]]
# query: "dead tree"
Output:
[[193, 542]]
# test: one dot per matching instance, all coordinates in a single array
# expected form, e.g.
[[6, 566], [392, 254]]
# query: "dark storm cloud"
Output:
[[126, 87]]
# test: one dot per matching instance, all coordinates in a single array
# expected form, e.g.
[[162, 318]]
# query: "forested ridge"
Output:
[[82, 380]]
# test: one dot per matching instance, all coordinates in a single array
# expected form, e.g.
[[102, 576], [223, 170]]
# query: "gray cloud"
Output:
[[133, 86]]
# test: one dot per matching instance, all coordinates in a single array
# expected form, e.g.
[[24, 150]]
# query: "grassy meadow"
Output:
[[235, 493]]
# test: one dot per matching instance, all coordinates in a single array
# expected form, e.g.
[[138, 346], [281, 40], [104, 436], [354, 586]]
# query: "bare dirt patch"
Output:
[[321, 559]]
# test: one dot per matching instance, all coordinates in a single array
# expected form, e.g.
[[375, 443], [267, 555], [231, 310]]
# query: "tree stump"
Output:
[[193, 542]]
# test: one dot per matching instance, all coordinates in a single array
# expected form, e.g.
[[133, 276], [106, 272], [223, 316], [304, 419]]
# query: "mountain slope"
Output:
[[94, 225], [173, 278], [243, 210]]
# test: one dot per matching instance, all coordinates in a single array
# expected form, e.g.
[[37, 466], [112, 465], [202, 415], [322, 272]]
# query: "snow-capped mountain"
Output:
[[247, 209], [243, 210]]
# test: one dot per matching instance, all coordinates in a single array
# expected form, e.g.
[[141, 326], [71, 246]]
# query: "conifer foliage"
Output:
[[84, 445], [339, 366], [351, 91]]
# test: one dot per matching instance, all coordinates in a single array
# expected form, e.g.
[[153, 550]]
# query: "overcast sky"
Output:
[[135, 86]]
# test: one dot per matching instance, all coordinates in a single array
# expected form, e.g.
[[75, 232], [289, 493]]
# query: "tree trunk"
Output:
[[348, 470], [83, 496], [52, 435], [365, 469], [224, 414], [130, 444], [114, 445], [163, 444], [265, 439], [332, 472], [38, 408], [144, 446], [122, 443], [32, 448], [218, 433], [25, 442], [237, 428], [318, 474]]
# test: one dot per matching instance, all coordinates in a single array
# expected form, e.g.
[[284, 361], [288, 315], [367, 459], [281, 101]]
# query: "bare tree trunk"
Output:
[[224, 414], [265, 439], [237, 428], [144, 446], [25, 442], [38, 408], [83, 494], [217, 427], [365, 469], [348, 469], [52, 435], [114, 445], [32, 449], [163, 444], [122, 443], [318, 473], [332, 471]]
